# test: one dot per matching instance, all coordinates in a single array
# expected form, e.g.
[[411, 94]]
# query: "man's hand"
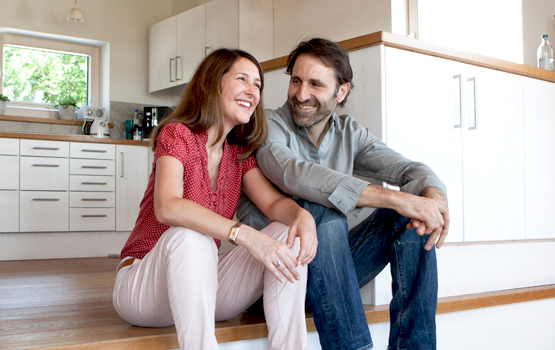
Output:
[[437, 234], [304, 227]]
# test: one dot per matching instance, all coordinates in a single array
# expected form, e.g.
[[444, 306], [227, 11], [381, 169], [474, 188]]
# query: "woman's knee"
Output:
[[181, 239]]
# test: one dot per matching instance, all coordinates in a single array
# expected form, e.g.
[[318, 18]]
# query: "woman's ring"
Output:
[[279, 263]]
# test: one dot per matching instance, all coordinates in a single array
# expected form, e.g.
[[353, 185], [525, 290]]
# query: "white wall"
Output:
[[121, 23], [537, 19]]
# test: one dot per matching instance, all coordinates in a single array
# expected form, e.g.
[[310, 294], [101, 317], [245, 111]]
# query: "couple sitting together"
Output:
[[217, 156]]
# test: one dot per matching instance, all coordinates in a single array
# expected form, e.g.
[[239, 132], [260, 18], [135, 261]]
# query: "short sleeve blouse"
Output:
[[178, 141]]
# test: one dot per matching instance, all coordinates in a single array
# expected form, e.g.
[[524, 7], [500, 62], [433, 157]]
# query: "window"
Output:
[[39, 73]]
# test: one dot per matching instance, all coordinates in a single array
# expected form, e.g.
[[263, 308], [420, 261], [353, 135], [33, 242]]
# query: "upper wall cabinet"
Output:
[[179, 43], [176, 48], [243, 24]]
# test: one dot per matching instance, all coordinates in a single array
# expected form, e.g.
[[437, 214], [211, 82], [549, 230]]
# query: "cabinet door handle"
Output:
[[171, 79], [46, 199], [93, 167], [93, 216], [458, 103], [47, 148], [94, 199], [94, 183], [122, 166], [47, 165], [177, 68], [94, 150], [475, 105]]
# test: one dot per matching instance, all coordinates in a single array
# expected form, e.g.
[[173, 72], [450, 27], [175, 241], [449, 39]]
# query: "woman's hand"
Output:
[[304, 227], [275, 255]]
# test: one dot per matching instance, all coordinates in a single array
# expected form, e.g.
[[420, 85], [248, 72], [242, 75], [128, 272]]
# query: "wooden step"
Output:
[[67, 304]]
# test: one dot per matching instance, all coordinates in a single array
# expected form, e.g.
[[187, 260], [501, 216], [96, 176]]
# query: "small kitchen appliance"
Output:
[[95, 122], [152, 116]]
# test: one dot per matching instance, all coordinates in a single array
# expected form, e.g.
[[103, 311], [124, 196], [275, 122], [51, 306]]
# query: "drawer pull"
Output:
[[94, 183], [46, 199], [94, 150], [93, 167], [47, 148], [47, 165], [94, 199], [93, 216]]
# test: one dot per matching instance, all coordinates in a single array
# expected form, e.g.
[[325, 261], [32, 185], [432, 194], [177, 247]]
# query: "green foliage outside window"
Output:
[[44, 76]]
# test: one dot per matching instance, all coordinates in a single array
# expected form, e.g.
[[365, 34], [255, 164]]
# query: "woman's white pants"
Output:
[[183, 281]]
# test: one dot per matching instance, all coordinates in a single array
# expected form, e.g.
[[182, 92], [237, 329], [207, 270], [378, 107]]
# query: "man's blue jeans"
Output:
[[346, 261]]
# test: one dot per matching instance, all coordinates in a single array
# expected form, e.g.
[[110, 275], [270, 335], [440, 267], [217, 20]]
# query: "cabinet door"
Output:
[[422, 123], [9, 174], [162, 53], [222, 24], [44, 174], [131, 182], [9, 146], [9, 211], [493, 155], [190, 42], [43, 211], [276, 84], [539, 145]]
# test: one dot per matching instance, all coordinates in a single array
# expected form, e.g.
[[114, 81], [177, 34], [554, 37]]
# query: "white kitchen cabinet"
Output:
[[44, 211], [539, 146], [9, 185], [131, 182], [243, 24], [466, 123], [176, 48]]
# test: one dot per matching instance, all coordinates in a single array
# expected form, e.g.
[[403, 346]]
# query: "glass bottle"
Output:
[[545, 54]]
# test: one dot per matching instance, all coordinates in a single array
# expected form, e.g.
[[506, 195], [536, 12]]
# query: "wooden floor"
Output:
[[67, 304]]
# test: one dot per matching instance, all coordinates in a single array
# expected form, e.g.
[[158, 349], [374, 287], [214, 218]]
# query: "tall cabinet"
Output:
[[9, 185]]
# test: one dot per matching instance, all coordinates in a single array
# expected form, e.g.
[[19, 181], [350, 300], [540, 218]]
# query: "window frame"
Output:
[[43, 110]]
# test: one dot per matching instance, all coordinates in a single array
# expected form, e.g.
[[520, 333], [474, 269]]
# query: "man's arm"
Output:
[[305, 179]]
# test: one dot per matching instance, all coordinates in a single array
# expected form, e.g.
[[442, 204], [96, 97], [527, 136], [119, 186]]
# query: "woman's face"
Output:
[[240, 92]]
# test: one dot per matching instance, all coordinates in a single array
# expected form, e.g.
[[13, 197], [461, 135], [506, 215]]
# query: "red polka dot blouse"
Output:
[[178, 141]]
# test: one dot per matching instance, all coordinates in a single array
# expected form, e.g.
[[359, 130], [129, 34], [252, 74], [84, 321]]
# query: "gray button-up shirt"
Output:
[[324, 175]]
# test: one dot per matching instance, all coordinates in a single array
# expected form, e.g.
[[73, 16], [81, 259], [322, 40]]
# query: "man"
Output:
[[312, 154]]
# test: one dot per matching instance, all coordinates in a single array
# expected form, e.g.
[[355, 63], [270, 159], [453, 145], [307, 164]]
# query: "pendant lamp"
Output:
[[75, 15]]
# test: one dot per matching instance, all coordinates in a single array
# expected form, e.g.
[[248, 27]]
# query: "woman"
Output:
[[171, 271]]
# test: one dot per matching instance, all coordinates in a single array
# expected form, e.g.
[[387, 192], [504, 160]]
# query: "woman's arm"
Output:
[[277, 207], [173, 210]]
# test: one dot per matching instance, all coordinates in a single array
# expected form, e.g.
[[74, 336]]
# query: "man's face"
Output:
[[313, 92]]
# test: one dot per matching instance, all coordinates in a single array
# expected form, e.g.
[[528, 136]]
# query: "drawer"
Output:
[[92, 183], [92, 150], [92, 167], [9, 211], [9, 147], [44, 174], [9, 173], [40, 148], [92, 219], [92, 200], [43, 211]]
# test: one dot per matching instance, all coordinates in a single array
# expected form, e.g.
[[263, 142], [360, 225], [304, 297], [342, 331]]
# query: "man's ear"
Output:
[[343, 90]]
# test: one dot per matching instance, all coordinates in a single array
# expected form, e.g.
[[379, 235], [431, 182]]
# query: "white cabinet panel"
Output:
[[92, 219], [9, 146], [92, 183], [131, 182], [276, 84], [92, 167], [92, 150], [539, 145], [41, 148], [42, 211], [161, 61], [92, 200], [9, 211], [9, 173], [44, 174], [190, 49]]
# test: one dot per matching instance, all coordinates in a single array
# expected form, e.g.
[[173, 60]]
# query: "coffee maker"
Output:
[[151, 117], [95, 122]]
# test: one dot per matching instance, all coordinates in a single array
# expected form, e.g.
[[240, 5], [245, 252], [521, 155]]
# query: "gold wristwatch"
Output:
[[234, 233]]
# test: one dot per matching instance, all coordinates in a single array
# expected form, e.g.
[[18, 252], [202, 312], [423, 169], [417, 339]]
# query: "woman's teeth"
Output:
[[244, 103]]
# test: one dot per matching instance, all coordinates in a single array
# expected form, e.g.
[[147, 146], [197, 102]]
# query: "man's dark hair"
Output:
[[331, 54]]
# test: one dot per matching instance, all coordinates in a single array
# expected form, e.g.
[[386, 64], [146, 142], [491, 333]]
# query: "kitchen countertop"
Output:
[[72, 138], [426, 48]]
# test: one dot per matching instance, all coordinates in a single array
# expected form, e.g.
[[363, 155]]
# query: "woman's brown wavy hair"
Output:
[[200, 106]]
